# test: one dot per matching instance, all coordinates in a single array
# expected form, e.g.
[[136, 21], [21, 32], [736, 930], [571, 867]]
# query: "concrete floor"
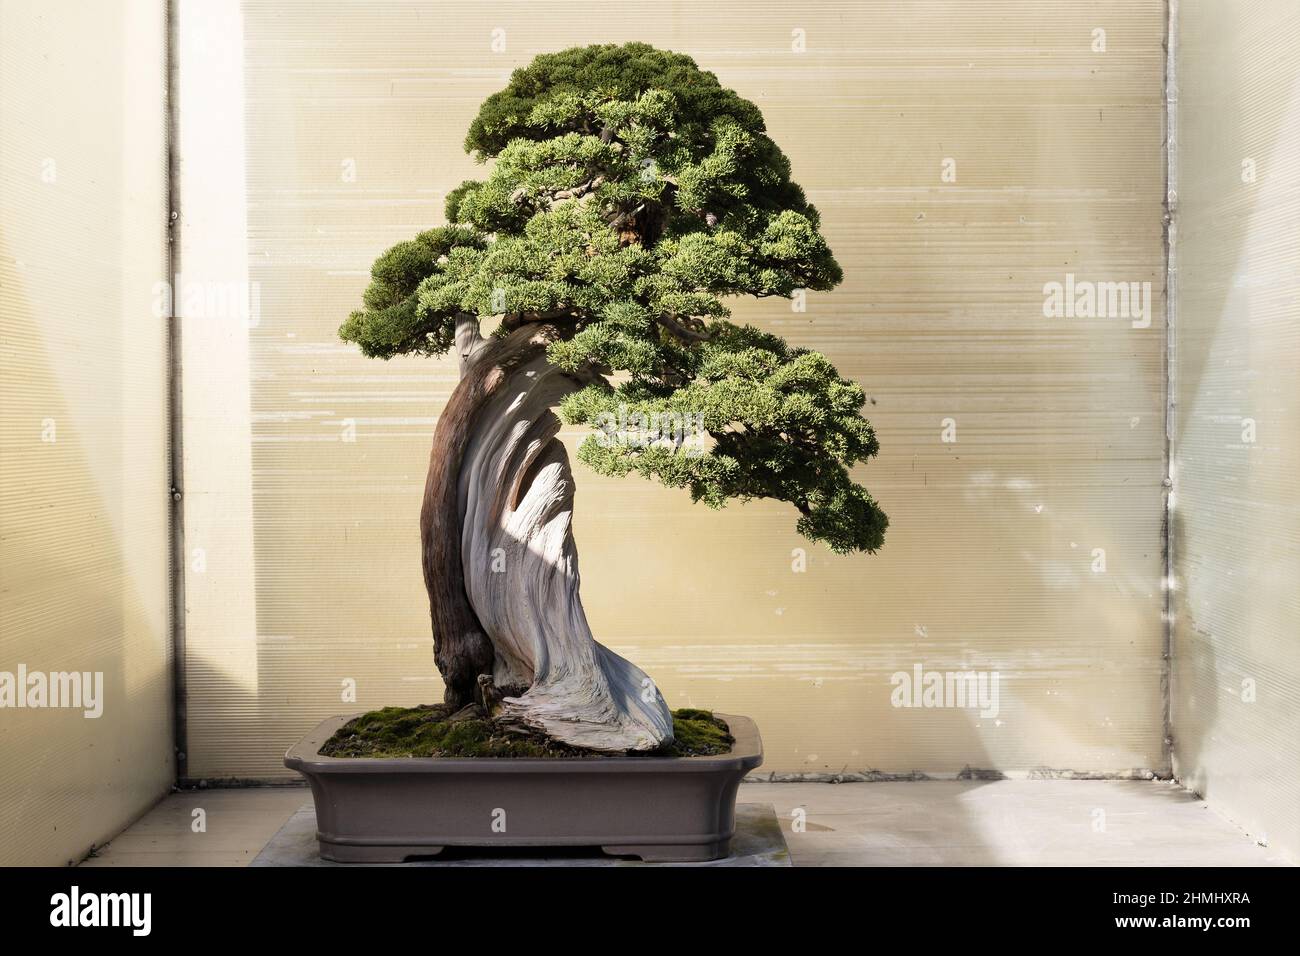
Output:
[[934, 823]]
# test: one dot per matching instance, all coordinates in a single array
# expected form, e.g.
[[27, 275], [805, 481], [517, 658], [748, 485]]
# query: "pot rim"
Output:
[[305, 757]]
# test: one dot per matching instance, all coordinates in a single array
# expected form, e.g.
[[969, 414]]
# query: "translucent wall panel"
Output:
[[965, 156], [1237, 524], [83, 405]]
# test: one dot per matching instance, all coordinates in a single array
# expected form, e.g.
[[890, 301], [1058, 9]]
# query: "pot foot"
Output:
[[672, 852], [345, 853]]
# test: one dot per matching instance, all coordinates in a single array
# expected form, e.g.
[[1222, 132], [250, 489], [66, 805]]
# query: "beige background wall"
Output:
[[353, 123], [83, 399], [1237, 529]]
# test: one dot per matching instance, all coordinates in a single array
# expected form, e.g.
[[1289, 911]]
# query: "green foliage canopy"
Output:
[[630, 194]]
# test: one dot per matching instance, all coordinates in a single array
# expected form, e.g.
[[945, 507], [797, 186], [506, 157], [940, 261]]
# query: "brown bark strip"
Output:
[[461, 648]]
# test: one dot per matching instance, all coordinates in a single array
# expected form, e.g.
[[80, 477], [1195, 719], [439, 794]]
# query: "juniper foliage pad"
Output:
[[629, 197]]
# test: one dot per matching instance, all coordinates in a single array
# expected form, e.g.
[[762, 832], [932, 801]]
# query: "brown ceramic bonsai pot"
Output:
[[660, 809]]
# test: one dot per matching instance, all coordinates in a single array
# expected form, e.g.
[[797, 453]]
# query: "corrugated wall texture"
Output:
[[1236, 689], [963, 155], [83, 404]]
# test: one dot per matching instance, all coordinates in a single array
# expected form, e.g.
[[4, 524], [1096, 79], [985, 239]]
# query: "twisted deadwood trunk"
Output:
[[500, 562]]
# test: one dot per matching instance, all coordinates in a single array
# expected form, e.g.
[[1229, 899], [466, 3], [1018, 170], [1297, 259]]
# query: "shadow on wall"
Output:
[[1195, 680], [1222, 498], [72, 597], [1214, 291]]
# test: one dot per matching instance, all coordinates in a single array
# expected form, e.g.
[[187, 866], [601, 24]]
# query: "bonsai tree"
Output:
[[630, 196]]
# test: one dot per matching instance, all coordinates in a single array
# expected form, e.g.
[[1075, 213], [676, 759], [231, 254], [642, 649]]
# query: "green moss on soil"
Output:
[[429, 731], [698, 732]]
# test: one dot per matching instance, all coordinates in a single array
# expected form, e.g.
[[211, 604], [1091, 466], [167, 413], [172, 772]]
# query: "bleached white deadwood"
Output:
[[521, 565]]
